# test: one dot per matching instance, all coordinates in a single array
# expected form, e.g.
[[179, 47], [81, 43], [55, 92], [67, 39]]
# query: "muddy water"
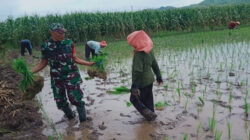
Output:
[[198, 71]]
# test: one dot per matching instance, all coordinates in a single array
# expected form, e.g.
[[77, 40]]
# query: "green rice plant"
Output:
[[229, 129], [187, 96], [246, 107], [230, 97], [230, 108], [120, 90], [193, 88], [166, 87], [21, 67], [212, 122], [167, 138], [160, 105], [198, 129], [217, 135], [185, 136], [201, 100], [128, 104], [100, 61], [51, 123], [179, 92]]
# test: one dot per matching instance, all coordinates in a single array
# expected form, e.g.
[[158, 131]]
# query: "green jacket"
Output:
[[142, 74]]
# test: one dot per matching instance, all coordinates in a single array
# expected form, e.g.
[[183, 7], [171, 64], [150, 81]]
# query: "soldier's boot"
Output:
[[81, 113], [68, 112], [148, 114]]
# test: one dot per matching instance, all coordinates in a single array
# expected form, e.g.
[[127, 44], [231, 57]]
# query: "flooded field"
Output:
[[204, 95]]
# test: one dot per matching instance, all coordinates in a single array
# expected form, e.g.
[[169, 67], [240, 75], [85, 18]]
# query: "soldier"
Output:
[[60, 54]]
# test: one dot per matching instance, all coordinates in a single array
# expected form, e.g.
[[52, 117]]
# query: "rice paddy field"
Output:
[[205, 94]]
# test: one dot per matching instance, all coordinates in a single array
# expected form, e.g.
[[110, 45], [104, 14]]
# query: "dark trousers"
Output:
[[145, 100], [88, 50], [25, 45]]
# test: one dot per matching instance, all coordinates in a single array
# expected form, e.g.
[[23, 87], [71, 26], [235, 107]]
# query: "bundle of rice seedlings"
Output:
[[98, 70], [120, 90], [21, 67]]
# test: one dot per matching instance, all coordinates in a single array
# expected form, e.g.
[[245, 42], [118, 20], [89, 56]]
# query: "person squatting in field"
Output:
[[142, 76], [60, 54], [25, 44], [94, 47], [233, 24]]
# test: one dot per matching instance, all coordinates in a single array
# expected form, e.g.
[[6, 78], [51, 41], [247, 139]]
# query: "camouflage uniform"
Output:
[[64, 72]]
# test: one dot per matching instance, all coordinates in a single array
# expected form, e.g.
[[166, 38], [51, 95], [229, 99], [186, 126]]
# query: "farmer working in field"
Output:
[[142, 76], [60, 54], [233, 24], [94, 47], [25, 44]]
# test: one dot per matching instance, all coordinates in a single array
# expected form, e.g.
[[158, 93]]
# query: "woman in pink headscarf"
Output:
[[142, 75]]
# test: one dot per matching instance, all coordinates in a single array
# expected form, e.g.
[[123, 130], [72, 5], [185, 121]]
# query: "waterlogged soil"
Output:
[[189, 74], [20, 119]]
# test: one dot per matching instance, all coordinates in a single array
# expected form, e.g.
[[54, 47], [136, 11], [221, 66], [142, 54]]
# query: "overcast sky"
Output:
[[17, 8]]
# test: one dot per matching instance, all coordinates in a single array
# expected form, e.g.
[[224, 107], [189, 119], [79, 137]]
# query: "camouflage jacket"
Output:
[[59, 55]]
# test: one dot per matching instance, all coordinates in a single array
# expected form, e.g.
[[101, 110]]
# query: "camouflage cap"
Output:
[[57, 26]]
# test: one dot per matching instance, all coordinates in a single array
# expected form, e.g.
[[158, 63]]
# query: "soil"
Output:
[[97, 73], [20, 119]]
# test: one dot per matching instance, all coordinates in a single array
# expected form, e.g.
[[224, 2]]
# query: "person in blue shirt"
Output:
[[94, 47], [25, 43]]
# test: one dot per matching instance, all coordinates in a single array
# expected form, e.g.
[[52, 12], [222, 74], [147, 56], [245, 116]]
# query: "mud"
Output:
[[204, 73], [97, 73], [20, 118]]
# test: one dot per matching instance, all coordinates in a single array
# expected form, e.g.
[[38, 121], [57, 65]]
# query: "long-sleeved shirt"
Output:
[[143, 64], [95, 46]]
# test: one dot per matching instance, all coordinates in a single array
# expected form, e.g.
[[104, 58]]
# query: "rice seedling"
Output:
[[198, 129], [246, 106], [217, 135], [99, 61], [201, 100], [161, 105], [167, 138], [166, 87], [230, 97], [229, 129], [179, 91], [186, 103], [128, 104], [230, 108], [185, 136], [119, 90], [212, 122], [45, 115], [193, 88], [21, 67]]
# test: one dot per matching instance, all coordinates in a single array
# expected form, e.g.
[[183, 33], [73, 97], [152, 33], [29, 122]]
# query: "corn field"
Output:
[[84, 26]]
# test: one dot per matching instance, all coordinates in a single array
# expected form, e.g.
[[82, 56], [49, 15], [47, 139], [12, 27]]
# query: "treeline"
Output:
[[85, 26]]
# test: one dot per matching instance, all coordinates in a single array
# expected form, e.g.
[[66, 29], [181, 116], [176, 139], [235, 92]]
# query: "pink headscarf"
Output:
[[140, 41]]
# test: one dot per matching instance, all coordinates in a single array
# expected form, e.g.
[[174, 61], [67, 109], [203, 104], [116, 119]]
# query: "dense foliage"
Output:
[[85, 26]]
